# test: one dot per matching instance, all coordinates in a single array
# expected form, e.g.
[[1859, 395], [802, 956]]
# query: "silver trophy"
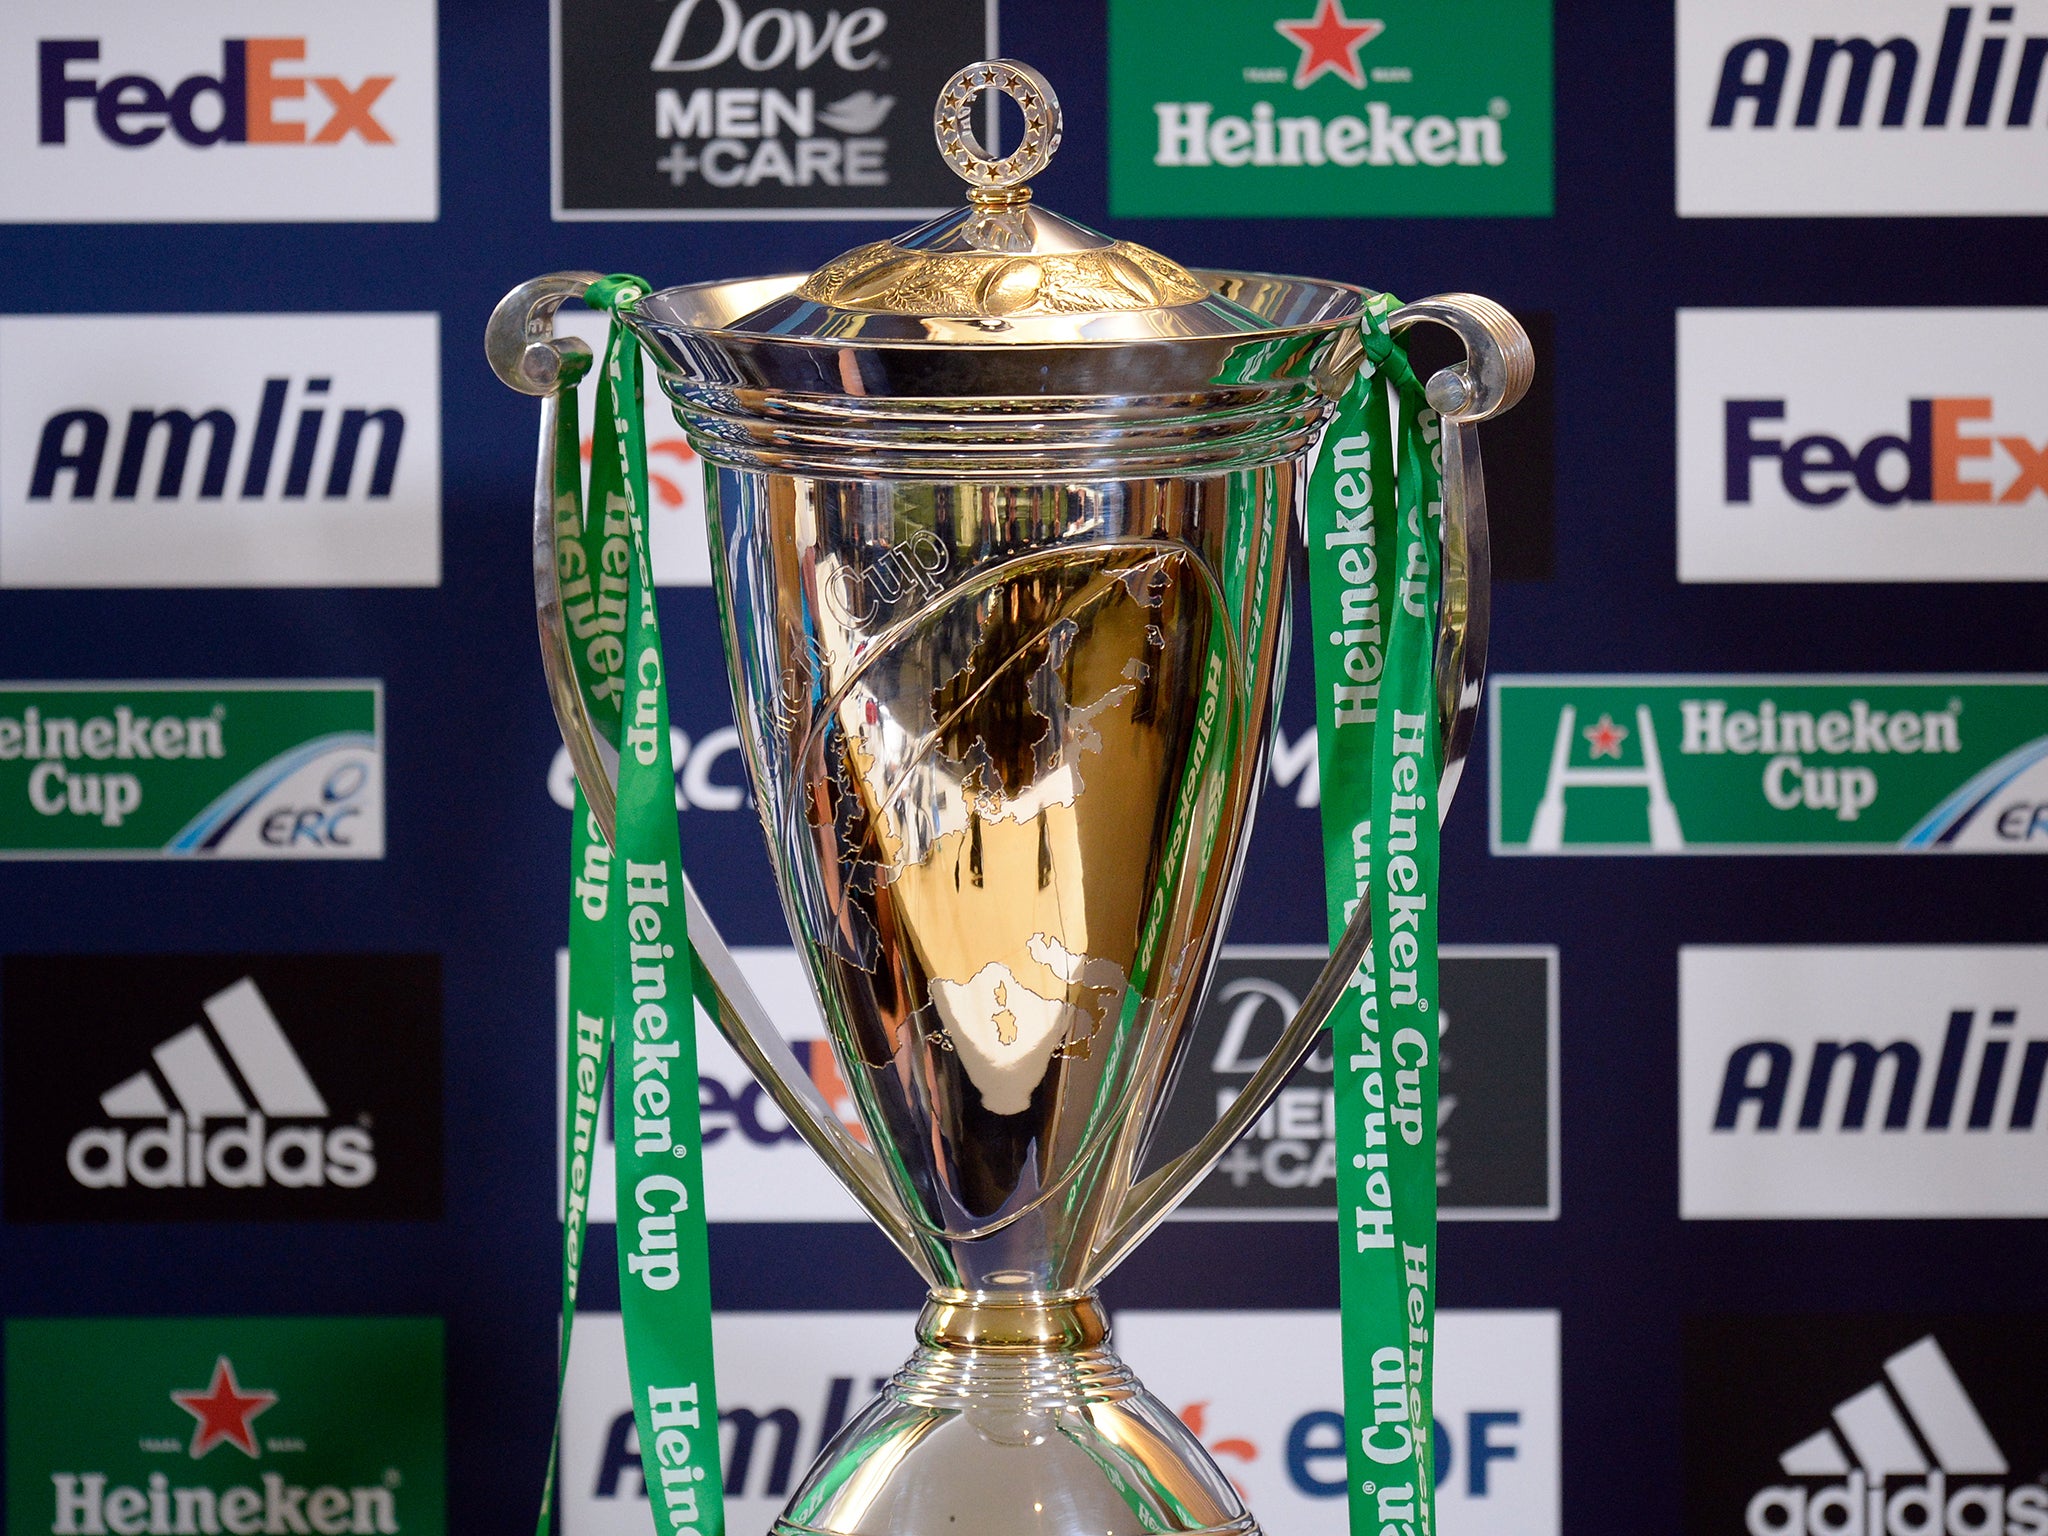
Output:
[[1000, 525]]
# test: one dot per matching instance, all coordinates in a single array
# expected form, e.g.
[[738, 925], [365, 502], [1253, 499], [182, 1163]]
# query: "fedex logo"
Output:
[[239, 105], [1950, 452], [1862, 444], [112, 112], [756, 1167]]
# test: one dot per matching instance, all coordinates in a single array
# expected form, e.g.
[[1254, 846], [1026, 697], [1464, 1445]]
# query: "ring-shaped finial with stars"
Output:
[[952, 123]]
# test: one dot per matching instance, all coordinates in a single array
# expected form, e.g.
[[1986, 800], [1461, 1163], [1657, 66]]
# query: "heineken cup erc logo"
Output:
[[1728, 764], [195, 770]]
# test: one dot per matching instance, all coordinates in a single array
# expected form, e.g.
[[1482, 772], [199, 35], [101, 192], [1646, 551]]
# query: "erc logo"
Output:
[[237, 106]]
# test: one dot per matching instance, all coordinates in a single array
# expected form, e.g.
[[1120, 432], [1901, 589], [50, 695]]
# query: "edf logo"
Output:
[[1949, 454], [240, 105]]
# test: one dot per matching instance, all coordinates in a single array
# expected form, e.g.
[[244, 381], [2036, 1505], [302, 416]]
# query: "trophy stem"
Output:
[[1014, 1418]]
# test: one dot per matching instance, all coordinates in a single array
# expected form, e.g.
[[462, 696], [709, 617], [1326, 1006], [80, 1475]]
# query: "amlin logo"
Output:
[[1883, 107], [282, 1137], [1863, 1081], [278, 450]]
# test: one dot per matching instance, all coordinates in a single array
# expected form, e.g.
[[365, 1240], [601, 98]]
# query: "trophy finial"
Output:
[[997, 182]]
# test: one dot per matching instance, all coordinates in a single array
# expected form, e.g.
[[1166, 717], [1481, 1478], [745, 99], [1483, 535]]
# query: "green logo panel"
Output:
[[248, 1426], [1770, 765], [201, 770], [1329, 108]]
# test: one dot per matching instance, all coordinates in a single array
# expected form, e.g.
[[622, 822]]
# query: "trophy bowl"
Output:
[[1000, 516]]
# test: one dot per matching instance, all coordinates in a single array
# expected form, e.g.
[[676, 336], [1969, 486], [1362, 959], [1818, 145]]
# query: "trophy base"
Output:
[[1014, 1419]]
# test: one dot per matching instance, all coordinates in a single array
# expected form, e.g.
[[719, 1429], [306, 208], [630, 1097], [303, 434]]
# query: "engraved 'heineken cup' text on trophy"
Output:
[[1000, 515]]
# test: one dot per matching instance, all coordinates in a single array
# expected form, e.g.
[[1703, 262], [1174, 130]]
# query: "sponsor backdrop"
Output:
[[1742, 1153]]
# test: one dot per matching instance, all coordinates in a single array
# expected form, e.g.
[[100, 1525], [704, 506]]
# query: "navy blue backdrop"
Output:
[[474, 868]]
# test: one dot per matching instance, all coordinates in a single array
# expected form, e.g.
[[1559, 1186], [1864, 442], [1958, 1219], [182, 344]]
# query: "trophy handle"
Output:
[[524, 352], [1498, 369]]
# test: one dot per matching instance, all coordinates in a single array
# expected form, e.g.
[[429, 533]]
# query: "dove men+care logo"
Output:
[[222, 1087], [1770, 764], [1329, 108], [1865, 1425], [272, 1426], [1862, 444], [739, 109], [218, 110], [1863, 1081], [1811, 107], [1497, 1120]]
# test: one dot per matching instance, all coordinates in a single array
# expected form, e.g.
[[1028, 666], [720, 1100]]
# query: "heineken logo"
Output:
[[1329, 41], [1267, 110], [1733, 764], [195, 770], [223, 1412], [250, 1426]]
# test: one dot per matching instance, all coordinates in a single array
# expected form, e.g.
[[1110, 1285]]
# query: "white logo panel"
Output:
[[1811, 107], [1264, 1391], [1862, 444], [1863, 1081], [756, 1168], [218, 110], [292, 450], [787, 1383], [675, 474], [1260, 1388]]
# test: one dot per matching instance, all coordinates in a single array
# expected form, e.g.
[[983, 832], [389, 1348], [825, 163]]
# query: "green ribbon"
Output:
[[632, 972], [1375, 515]]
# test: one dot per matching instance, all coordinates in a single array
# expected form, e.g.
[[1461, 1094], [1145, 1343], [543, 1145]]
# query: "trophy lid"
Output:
[[1000, 270]]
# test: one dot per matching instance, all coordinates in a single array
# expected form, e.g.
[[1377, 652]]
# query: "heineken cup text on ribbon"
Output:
[[1374, 525], [1004, 639]]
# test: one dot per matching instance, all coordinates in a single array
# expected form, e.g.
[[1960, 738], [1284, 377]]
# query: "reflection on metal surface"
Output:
[[1000, 523], [970, 781], [1015, 1419]]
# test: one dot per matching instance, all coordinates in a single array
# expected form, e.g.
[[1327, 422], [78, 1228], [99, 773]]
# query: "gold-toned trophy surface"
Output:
[[1000, 518]]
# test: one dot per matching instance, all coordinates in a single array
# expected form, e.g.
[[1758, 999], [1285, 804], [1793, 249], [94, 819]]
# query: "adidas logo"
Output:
[[1899, 1450], [244, 1072]]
